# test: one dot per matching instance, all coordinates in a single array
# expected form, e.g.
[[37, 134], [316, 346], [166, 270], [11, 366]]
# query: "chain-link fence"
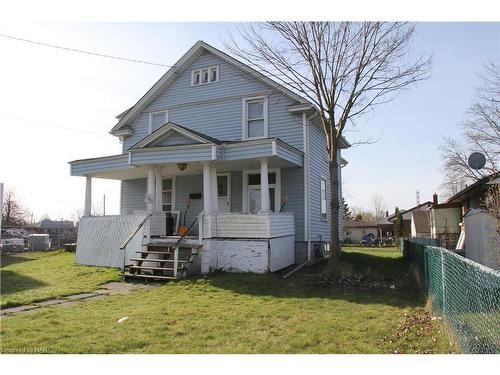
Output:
[[464, 293]]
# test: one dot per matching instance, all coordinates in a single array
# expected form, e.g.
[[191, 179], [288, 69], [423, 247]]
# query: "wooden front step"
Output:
[[150, 268], [171, 244], [157, 260], [155, 252], [127, 275], [166, 262]]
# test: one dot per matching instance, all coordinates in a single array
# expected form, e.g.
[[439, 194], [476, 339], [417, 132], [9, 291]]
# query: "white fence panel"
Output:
[[100, 238], [481, 241]]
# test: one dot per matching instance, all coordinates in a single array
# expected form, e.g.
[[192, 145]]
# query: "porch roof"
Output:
[[228, 156]]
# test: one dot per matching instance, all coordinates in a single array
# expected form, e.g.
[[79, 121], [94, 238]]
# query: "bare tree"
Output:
[[344, 69], [378, 207], [77, 216], [13, 213], [480, 132], [365, 215]]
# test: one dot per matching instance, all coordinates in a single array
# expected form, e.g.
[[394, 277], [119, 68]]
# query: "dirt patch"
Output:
[[361, 282]]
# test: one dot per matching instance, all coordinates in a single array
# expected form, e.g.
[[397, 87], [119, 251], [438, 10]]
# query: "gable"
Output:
[[173, 139], [215, 109], [183, 64], [232, 83], [172, 134]]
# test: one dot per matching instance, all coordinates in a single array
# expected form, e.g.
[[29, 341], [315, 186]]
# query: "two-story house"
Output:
[[224, 151]]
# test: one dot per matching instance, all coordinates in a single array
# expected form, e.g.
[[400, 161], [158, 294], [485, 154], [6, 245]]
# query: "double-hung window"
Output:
[[255, 118], [323, 195], [157, 120]]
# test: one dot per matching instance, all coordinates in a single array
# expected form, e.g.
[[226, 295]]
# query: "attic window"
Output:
[[205, 76], [157, 120]]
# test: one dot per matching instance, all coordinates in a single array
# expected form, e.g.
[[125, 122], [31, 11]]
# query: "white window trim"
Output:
[[150, 126], [323, 178], [277, 188], [174, 196], [244, 124], [228, 187], [200, 70]]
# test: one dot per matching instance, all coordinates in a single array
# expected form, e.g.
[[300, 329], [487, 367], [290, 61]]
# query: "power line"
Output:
[[43, 44], [51, 125]]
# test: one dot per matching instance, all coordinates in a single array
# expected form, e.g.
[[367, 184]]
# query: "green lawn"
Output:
[[37, 276], [237, 313]]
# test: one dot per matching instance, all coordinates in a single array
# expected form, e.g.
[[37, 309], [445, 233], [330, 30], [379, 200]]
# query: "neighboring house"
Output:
[[455, 210], [445, 221], [59, 231], [420, 224], [473, 195], [247, 153], [354, 230], [407, 217], [386, 227]]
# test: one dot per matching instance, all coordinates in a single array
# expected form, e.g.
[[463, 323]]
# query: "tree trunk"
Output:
[[333, 267]]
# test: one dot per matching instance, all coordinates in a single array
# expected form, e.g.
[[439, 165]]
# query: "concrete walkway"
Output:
[[104, 290]]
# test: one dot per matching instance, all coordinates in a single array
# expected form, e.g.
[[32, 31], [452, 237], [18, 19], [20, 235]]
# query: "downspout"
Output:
[[307, 217], [306, 185]]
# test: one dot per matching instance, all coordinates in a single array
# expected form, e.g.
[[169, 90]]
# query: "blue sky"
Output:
[[43, 88]]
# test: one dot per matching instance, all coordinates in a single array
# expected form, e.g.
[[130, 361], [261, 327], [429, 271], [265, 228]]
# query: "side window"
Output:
[[323, 212]]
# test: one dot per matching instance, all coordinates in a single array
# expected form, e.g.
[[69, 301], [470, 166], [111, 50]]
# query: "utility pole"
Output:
[[104, 205]]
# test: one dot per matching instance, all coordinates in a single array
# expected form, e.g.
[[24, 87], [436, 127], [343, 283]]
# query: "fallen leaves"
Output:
[[418, 324], [361, 282]]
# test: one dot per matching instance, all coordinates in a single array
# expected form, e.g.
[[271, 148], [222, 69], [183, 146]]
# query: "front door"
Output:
[[224, 192]]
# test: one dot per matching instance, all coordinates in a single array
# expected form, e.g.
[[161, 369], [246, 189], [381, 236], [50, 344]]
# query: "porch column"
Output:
[[150, 192], [207, 193], [264, 187], [158, 190], [88, 197], [213, 188]]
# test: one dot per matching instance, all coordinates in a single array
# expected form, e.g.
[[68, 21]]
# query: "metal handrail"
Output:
[[176, 246], [188, 230], [135, 232], [124, 245]]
